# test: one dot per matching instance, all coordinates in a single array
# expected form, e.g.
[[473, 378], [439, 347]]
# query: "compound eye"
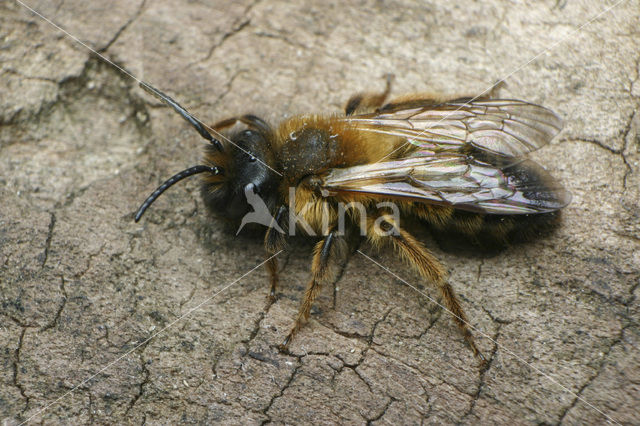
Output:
[[249, 138]]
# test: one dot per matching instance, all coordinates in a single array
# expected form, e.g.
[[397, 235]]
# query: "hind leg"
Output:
[[494, 92], [368, 102], [427, 266]]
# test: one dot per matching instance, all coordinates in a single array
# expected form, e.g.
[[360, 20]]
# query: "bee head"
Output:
[[248, 173], [230, 172], [233, 176]]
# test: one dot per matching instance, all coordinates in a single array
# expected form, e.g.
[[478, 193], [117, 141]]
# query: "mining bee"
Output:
[[457, 165]]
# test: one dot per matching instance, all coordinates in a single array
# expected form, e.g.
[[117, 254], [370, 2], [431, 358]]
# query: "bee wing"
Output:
[[503, 127], [456, 180]]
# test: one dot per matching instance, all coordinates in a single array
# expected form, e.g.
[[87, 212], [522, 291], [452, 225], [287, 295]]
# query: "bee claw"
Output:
[[284, 346], [483, 361]]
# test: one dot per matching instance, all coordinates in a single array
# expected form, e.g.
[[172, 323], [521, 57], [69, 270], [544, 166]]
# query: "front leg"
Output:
[[328, 255], [274, 241]]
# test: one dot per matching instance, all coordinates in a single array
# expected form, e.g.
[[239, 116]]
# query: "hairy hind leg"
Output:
[[368, 102], [417, 255]]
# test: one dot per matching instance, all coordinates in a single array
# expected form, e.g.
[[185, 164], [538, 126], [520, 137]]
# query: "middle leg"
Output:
[[328, 255], [274, 241]]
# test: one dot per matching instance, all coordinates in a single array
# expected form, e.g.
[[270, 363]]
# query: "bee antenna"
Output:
[[197, 124], [173, 180]]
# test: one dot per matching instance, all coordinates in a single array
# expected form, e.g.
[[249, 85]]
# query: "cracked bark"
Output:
[[143, 383], [578, 395], [381, 414], [56, 319], [123, 28], [484, 370], [236, 28], [16, 372], [80, 145], [45, 255], [282, 390]]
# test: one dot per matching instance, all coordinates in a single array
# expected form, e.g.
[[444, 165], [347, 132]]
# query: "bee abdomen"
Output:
[[491, 230]]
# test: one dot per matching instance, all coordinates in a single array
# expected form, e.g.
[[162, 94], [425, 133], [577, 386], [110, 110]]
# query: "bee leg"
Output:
[[274, 241], [250, 120], [353, 239], [426, 265], [327, 255], [365, 102], [494, 92]]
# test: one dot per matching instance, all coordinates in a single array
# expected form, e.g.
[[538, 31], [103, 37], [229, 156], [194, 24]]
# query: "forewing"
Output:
[[508, 128], [455, 180]]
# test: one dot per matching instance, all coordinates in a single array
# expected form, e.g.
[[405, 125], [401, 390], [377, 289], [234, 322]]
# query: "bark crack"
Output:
[[16, 372], [483, 371], [578, 395], [360, 337], [419, 373], [227, 89], [382, 413], [145, 380], [236, 28], [30, 77], [56, 319], [627, 142], [123, 28], [282, 390], [258, 321], [264, 34], [436, 314], [47, 245], [624, 134]]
